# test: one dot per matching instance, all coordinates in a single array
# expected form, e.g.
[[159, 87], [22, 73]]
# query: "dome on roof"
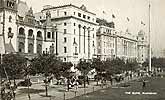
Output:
[[22, 8]]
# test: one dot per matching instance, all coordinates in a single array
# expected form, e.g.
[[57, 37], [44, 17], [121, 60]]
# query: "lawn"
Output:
[[154, 90]]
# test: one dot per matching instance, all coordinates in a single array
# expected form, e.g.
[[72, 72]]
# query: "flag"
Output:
[[113, 16], [103, 12], [128, 19], [143, 23]]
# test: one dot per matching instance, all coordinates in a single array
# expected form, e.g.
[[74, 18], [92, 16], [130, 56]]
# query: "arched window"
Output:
[[10, 19], [30, 48], [30, 32], [39, 34], [9, 29], [21, 47], [39, 48], [21, 31]]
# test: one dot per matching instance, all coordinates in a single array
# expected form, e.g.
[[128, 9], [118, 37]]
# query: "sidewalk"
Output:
[[57, 92]]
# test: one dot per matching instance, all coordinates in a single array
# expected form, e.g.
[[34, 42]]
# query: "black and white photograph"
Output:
[[82, 50]]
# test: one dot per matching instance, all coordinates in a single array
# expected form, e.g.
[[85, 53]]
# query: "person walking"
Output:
[[143, 84]]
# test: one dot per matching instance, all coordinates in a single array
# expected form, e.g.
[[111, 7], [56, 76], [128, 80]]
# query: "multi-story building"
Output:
[[111, 43], [105, 40], [21, 32], [142, 47], [68, 31], [75, 31], [126, 46]]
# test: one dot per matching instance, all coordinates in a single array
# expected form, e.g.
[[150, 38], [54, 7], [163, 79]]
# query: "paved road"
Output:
[[154, 90]]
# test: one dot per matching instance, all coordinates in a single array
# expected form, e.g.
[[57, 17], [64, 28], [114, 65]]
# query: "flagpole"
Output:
[[150, 68]]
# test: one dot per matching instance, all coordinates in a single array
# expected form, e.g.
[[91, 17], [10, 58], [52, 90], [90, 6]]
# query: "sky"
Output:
[[135, 10]]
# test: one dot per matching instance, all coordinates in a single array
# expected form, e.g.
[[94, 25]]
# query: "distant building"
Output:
[[142, 47], [112, 43]]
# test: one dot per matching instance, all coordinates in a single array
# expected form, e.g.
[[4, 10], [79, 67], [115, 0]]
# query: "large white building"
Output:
[[112, 43], [67, 31]]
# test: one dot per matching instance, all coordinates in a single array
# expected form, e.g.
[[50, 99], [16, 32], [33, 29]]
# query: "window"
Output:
[[52, 35], [39, 48], [9, 29], [30, 32], [74, 24], [84, 16], [64, 24], [64, 59], [75, 49], [74, 13], [21, 47], [88, 18], [142, 38], [30, 48], [39, 34], [10, 19], [93, 35], [21, 31], [65, 13], [93, 19], [79, 14], [65, 50], [65, 40], [65, 31], [74, 31], [74, 40], [93, 43], [48, 35]]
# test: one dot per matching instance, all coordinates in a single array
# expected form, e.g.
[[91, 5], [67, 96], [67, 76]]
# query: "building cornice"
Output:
[[69, 5]]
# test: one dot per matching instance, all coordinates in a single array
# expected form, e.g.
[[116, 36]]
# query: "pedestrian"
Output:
[[76, 84], [144, 84]]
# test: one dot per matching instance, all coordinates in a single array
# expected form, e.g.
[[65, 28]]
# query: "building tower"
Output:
[[8, 30], [142, 47]]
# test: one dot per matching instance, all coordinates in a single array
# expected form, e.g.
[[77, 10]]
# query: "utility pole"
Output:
[[149, 69]]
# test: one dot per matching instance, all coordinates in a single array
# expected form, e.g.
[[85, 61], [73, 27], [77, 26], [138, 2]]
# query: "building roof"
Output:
[[69, 5], [105, 23]]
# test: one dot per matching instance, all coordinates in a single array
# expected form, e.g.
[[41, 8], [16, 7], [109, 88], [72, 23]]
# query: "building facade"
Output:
[[67, 31], [105, 40], [112, 43], [70, 32]]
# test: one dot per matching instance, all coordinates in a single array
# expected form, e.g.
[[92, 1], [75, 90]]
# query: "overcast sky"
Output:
[[135, 10]]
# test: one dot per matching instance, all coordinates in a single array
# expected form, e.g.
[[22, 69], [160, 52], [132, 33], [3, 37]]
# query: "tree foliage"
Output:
[[14, 65]]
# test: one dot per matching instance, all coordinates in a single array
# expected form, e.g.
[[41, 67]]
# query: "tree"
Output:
[[116, 66], [84, 67], [44, 64], [131, 65], [99, 67], [14, 65]]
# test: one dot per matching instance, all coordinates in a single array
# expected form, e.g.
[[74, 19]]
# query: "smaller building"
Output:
[[143, 49]]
